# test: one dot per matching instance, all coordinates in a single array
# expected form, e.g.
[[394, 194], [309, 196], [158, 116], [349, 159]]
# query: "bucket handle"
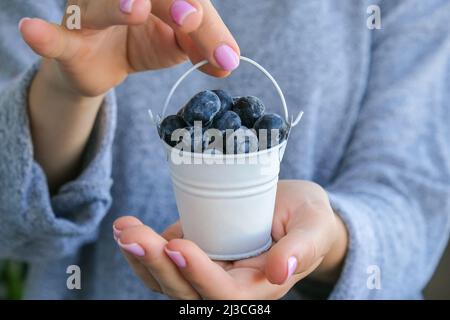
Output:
[[156, 120]]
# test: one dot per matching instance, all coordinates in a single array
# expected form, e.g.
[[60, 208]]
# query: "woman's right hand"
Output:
[[119, 37]]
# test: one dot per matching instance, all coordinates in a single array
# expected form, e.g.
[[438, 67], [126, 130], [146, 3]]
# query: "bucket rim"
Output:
[[197, 155]]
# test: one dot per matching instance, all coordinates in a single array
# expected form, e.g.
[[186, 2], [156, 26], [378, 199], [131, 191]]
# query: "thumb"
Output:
[[295, 253], [49, 40]]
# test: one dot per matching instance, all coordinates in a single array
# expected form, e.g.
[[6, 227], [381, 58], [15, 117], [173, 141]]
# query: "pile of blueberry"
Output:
[[214, 122]]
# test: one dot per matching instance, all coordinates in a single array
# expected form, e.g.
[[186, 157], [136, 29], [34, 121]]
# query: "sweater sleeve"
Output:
[[35, 225], [393, 186]]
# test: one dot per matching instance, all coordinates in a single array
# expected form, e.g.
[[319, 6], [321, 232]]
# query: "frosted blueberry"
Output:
[[168, 126], [202, 107], [249, 109], [226, 102], [229, 120], [271, 130]]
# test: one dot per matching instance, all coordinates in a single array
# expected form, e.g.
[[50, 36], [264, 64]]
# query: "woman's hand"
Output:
[[307, 236], [117, 38]]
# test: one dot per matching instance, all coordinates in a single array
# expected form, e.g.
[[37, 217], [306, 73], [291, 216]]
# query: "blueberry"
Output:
[[249, 110], [202, 107], [243, 140], [235, 99], [229, 120], [268, 137], [198, 141], [226, 102], [168, 126]]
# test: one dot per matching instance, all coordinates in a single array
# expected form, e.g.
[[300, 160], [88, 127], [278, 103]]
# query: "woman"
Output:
[[365, 214]]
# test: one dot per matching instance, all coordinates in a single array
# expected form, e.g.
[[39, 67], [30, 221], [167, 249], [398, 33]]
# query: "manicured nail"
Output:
[[126, 6], [132, 248], [180, 10], [292, 266], [226, 57], [22, 21], [116, 233], [176, 257]]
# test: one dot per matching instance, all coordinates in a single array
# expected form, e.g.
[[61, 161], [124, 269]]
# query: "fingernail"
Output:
[[180, 10], [126, 6], [176, 257], [226, 57], [116, 233], [292, 266], [132, 248], [22, 21]]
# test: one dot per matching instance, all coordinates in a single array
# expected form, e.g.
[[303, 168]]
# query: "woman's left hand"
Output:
[[307, 236]]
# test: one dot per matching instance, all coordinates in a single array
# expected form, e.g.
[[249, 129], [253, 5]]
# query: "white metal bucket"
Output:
[[226, 202]]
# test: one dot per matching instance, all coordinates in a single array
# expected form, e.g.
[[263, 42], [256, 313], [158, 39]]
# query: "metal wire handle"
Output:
[[292, 122]]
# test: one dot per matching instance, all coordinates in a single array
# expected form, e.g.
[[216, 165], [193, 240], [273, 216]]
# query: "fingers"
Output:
[[214, 41], [189, 47], [304, 228], [200, 31], [294, 253], [182, 15], [209, 279], [148, 248], [138, 268], [173, 232], [141, 271], [198, 20], [49, 40], [124, 223], [100, 14]]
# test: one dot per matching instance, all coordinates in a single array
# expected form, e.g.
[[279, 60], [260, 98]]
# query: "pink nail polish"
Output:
[[126, 6], [180, 10], [116, 233], [226, 57], [21, 22], [132, 248], [176, 257], [291, 266]]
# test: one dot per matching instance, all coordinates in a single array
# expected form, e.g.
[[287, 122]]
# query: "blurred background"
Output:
[[12, 277]]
